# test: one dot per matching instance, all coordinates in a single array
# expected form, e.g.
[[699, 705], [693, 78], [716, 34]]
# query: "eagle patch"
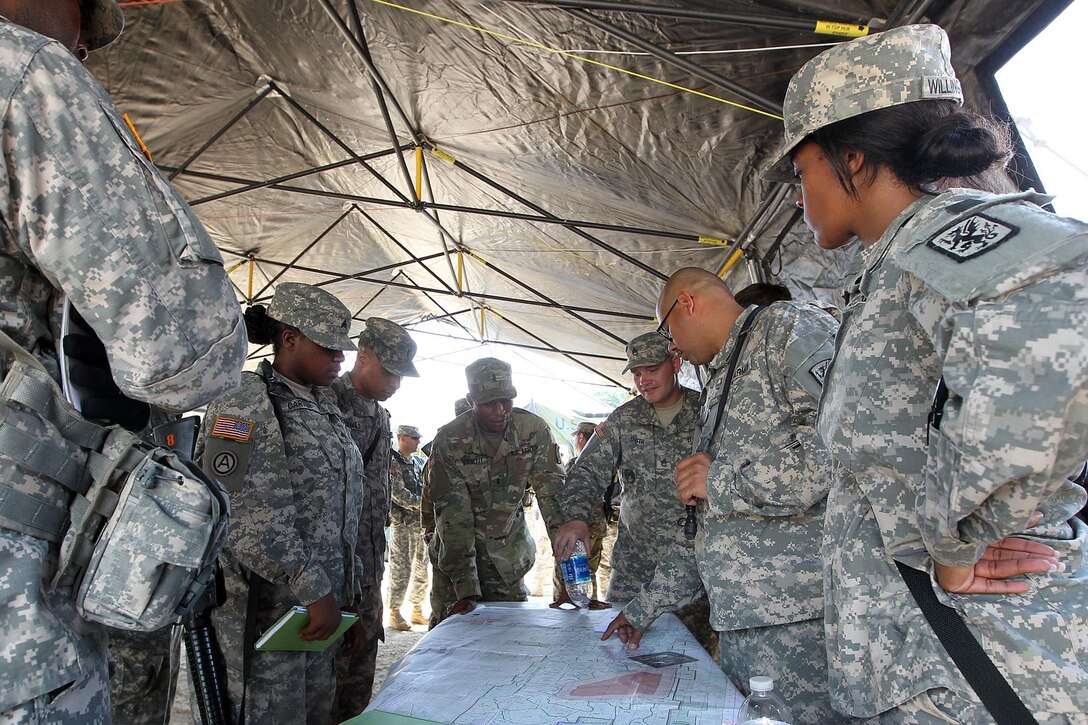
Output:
[[972, 237]]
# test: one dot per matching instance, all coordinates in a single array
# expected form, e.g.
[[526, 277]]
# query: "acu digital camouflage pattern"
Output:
[[901, 65], [368, 424], [296, 494], [392, 344], [757, 547], [632, 442], [141, 676], [173, 338], [316, 313], [482, 544], [83, 213], [1003, 316], [647, 350], [407, 552]]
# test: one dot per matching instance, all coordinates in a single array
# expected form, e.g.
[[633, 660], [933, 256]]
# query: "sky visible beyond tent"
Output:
[[1050, 113]]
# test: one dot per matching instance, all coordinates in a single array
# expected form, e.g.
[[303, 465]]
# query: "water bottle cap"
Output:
[[760, 684]]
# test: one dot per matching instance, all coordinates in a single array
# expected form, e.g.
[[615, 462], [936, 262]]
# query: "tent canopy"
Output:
[[527, 172]]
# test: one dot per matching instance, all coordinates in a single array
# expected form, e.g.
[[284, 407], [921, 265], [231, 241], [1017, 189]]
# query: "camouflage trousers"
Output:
[[141, 676], [604, 569], [301, 684], [407, 562], [794, 655], [442, 594], [493, 588], [355, 674], [54, 663]]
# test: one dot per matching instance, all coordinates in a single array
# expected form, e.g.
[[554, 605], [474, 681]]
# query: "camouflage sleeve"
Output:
[[546, 479], [401, 495], [426, 509], [675, 583], [791, 472], [1016, 420], [584, 487], [107, 229], [262, 532], [455, 523]]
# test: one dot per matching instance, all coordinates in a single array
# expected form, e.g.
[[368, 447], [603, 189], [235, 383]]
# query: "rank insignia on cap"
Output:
[[234, 429], [971, 237]]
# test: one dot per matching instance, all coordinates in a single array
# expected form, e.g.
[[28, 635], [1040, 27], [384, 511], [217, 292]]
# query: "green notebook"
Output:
[[283, 635]]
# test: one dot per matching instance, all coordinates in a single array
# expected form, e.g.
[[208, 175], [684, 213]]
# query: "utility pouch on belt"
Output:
[[139, 527]]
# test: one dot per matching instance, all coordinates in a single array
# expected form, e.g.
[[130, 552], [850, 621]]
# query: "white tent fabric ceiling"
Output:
[[268, 116]]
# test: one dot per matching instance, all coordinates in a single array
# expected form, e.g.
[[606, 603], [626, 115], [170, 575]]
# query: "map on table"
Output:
[[527, 665]]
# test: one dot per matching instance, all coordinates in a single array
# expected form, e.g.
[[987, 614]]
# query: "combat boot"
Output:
[[417, 615], [397, 622]]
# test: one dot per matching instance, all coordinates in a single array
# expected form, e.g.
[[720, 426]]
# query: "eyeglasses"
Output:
[[661, 328]]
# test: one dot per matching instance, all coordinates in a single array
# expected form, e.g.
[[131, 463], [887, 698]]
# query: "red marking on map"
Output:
[[631, 683]]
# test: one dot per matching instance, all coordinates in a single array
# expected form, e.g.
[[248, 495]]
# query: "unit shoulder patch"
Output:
[[819, 371], [972, 237], [234, 429]]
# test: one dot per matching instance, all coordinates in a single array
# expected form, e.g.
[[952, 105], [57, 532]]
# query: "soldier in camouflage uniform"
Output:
[[481, 466], [641, 440], [760, 480], [989, 294], [295, 477], [408, 554], [84, 214], [385, 357], [441, 586]]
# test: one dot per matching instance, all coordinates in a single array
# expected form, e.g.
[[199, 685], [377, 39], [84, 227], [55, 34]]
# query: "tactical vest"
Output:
[[139, 528]]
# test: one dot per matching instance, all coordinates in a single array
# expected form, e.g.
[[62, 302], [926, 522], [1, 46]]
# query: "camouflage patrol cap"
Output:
[[647, 349], [391, 344], [408, 430], [901, 65], [585, 428], [317, 314], [489, 379], [100, 23]]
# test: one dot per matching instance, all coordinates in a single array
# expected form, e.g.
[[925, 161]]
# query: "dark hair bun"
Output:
[[960, 144], [259, 326]]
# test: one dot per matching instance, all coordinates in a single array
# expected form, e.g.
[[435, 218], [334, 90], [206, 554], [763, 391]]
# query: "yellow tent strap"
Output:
[[590, 61], [737, 256], [252, 264], [419, 172], [460, 271], [483, 325], [136, 134]]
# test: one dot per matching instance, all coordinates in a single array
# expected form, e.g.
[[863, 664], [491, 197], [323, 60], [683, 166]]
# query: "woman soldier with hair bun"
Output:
[[957, 400], [279, 445]]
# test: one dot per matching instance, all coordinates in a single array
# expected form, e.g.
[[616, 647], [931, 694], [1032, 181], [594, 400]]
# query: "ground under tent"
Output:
[[526, 172]]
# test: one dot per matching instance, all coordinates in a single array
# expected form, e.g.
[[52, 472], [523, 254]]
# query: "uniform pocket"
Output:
[[187, 238]]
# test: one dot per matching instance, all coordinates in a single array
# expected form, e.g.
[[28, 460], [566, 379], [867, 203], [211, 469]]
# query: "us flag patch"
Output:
[[233, 429]]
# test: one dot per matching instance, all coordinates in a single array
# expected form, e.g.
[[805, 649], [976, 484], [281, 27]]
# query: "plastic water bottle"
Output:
[[763, 706], [576, 576]]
